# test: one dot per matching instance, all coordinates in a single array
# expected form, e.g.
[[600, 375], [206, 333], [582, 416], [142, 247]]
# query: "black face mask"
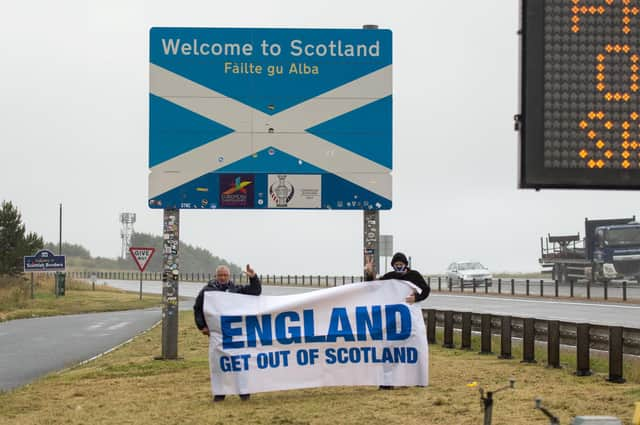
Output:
[[400, 268]]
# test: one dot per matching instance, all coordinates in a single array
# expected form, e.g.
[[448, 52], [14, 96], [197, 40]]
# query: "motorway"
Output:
[[30, 348], [578, 311]]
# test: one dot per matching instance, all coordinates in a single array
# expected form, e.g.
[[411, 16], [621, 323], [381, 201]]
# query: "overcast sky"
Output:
[[74, 130]]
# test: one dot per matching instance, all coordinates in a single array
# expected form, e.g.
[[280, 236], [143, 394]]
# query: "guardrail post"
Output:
[[556, 287], [571, 288], [541, 288], [615, 355], [448, 329], [606, 290], [431, 326], [499, 285], [505, 338], [527, 287], [624, 290], [588, 289], [582, 350], [485, 334], [513, 289], [466, 331], [528, 341], [553, 343], [439, 284], [450, 284]]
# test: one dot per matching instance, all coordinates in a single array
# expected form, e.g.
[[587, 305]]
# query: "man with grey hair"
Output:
[[223, 282]]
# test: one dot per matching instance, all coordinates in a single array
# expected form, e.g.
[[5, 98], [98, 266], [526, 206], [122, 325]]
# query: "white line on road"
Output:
[[95, 326], [118, 326]]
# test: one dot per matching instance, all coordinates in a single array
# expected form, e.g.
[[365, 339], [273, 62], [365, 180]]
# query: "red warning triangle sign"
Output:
[[141, 255]]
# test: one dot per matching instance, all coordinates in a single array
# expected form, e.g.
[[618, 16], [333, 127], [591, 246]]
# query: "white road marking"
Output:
[[118, 326]]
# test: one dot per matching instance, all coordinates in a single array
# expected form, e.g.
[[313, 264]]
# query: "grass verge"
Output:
[[80, 297], [128, 386]]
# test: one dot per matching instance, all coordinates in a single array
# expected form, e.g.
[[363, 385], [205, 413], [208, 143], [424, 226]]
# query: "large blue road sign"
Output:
[[270, 118], [44, 261]]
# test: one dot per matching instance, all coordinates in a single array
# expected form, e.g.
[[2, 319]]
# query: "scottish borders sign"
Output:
[[44, 261], [270, 118]]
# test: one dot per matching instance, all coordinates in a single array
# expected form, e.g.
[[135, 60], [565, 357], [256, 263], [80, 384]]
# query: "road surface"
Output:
[[30, 348]]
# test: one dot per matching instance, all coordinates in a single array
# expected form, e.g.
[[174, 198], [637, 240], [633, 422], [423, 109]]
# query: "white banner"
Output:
[[357, 334]]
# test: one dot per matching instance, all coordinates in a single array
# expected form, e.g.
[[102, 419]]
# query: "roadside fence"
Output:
[[617, 341], [610, 291]]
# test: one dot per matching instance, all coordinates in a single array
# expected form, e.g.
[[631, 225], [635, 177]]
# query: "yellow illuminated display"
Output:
[[580, 94]]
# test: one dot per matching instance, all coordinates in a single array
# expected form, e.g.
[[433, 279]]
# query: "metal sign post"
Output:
[[371, 239], [170, 275], [372, 222]]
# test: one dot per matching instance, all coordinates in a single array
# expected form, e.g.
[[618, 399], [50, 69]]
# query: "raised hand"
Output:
[[250, 272], [369, 266]]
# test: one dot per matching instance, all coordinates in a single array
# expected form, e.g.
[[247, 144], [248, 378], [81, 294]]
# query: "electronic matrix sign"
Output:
[[580, 94]]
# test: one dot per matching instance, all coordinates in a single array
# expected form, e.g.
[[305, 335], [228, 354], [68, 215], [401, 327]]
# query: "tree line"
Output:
[[192, 259]]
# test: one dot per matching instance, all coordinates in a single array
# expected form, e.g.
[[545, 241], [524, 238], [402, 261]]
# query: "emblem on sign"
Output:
[[282, 192]]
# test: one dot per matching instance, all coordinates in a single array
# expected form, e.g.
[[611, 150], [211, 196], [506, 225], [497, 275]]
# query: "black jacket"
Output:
[[410, 276], [253, 288]]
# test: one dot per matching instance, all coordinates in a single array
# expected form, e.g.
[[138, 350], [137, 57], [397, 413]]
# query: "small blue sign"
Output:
[[44, 261], [258, 118]]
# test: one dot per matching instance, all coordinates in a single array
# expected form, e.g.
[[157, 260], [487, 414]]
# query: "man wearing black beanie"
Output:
[[401, 271]]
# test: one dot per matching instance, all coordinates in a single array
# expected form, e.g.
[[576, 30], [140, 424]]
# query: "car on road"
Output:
[[469, 272]]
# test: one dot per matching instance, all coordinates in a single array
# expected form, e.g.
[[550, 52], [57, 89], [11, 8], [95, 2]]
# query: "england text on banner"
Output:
[[358, 334]]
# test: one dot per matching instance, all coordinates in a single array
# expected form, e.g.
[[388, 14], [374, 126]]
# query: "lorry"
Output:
[[609, 250]]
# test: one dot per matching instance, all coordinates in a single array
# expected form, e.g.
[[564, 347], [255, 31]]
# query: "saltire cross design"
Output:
[[316, 135]]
